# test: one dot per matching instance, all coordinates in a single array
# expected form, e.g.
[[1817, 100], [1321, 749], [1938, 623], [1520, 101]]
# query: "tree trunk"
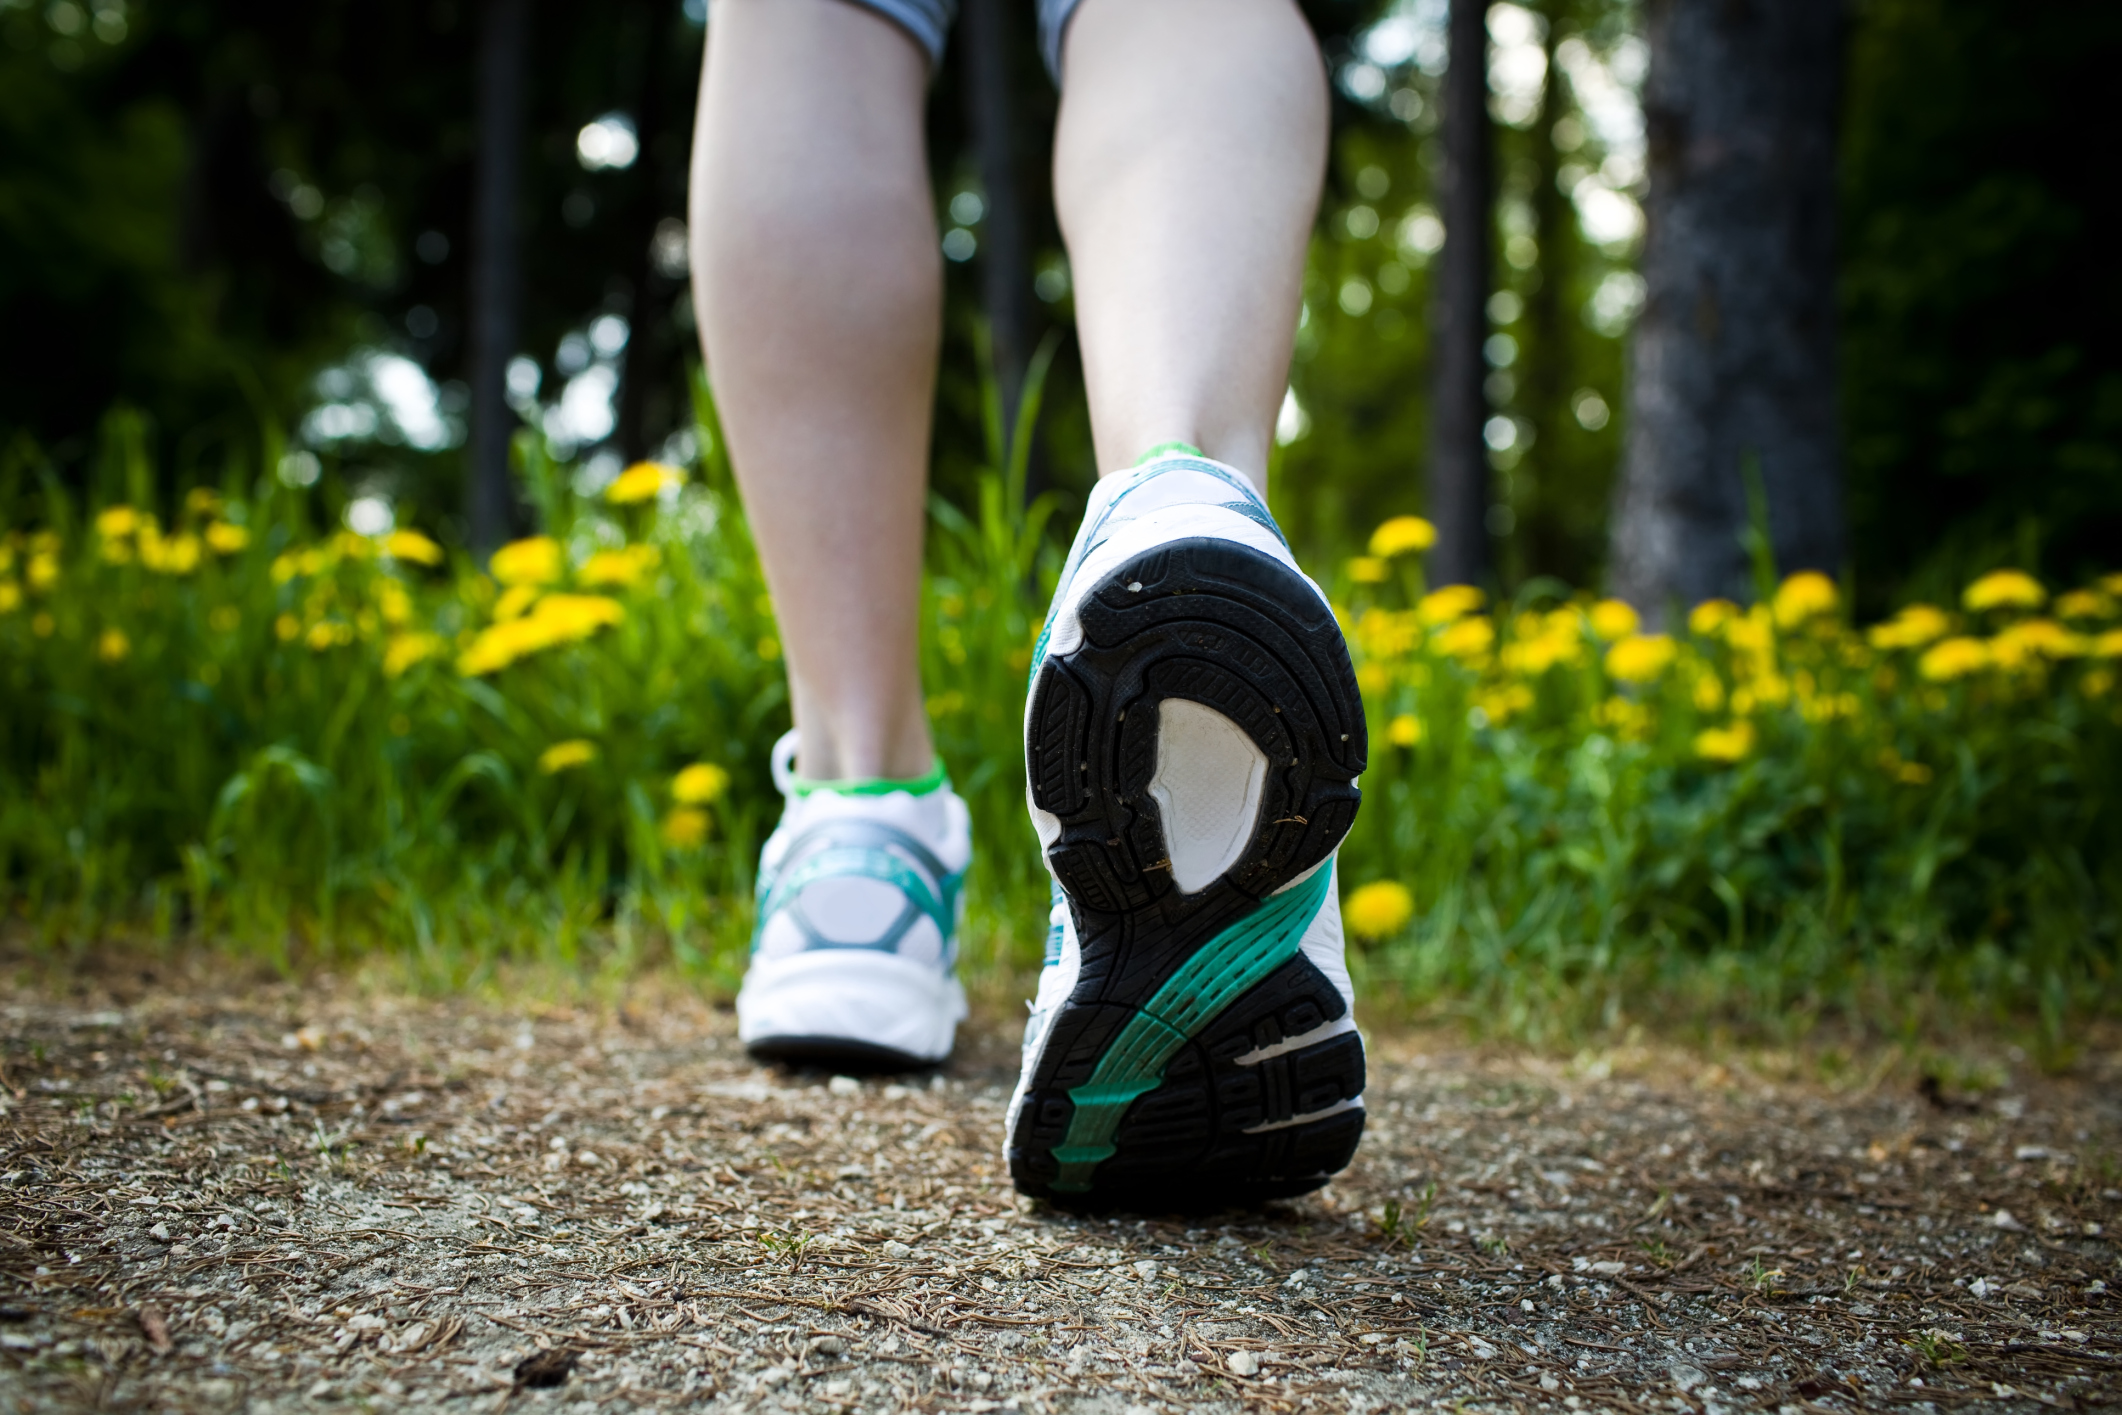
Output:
[[1458, 460], [496, 294], [1544, 364], [1733, 355], [646, 295], [1005, 270]]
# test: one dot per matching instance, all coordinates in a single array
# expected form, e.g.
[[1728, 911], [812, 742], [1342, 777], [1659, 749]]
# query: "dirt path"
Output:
[[264, 1199]]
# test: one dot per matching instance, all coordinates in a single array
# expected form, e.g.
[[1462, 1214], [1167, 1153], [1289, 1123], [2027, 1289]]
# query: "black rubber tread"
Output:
[[1221, 624], [839, 1055]]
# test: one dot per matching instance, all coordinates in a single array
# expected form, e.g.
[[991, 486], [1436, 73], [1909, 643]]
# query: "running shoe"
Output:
[[854, 953], [1192, 741]]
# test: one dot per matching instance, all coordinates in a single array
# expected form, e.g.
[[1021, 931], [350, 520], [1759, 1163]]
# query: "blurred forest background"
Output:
[[307, 309], [219, 213]]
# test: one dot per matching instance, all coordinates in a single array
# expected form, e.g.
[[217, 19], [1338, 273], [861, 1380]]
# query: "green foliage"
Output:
[[1982, 395], [219, 718], [1769, 813], [1363, 368]]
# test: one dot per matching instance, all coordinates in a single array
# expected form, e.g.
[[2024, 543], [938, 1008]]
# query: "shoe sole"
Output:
[[839, 1055], [1201, 1058], [852, 1009]]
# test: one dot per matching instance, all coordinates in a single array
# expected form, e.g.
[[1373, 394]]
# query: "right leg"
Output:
[[1195, 729]]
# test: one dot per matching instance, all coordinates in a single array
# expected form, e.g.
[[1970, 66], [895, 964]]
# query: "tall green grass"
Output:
[[223, 717]]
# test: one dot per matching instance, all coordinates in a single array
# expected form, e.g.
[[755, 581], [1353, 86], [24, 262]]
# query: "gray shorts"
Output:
[[929, 20]]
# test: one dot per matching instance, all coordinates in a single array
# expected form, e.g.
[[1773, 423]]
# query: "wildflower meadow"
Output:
[[227, 716]]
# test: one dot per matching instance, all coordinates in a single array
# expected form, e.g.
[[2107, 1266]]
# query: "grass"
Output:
[[224, 718]]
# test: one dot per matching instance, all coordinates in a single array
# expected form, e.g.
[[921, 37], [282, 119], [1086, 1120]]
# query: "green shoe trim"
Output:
[[1205, 984], [1163, 448], [935, 780]]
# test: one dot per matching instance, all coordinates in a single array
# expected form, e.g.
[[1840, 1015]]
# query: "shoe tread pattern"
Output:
[[1235, 629]]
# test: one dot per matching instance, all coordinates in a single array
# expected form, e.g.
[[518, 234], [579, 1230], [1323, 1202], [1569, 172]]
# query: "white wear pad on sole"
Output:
[[1207, 788]]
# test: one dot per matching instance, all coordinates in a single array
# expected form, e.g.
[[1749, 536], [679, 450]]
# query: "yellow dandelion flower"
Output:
[[2112, 584], [2004, 589], [1901, 769], [1400, 535], [411, 545], [534, 561], [1725, 744], [1752, 632], [2084, 604], [2096, 683], [642, 481], [1708, 693], [1629, 719], [619, 567], [1369, 570], [1912, 628], [287, 628], [1385, 634], [1711, 615], [1379, 909], [2024, 642], [577, 616], [176, 555], [556, 619], [1534, 656], [10, 596], [1373, 677], [685, 828], [1404, 730], [226, 538], [202, 501], [699, 784], [328, 634], [1467, 640], [562, 755], [515, 602], [112, 646], [405, 650], [1614, 619], [1451, 602], [1804, 596], [392, 602], [1641, 657], [1503, 703], [2108, 645], [117, 522], [1955, 658]]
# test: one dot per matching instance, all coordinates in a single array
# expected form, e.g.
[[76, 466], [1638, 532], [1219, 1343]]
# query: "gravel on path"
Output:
[[228, 1195]]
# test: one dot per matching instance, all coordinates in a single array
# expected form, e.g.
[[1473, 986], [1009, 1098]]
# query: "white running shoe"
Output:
[[854, 954], [1192, 742]]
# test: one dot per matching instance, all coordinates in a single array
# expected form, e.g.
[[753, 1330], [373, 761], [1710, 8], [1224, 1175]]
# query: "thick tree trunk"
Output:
[[1005, 269], [1733, 356], [1458, 460], [496, 294]]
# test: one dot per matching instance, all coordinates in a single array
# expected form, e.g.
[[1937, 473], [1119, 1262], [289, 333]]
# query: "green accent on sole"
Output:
[[1226, 966], [935, 780], [1165, 447]]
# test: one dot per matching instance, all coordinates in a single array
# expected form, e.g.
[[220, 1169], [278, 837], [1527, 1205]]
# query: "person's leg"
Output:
[[1195, 730], [818, 283], [1187, 168]]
